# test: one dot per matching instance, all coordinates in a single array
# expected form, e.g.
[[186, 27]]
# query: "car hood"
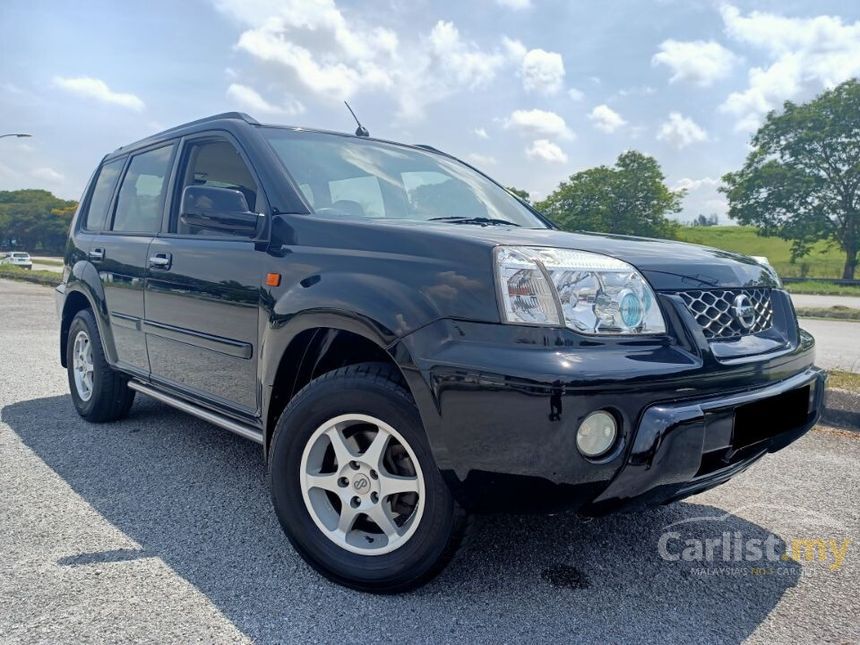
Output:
[[668, 265]]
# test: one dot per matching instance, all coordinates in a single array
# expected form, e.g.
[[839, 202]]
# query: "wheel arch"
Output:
[[75, 301], [316, 349], [84, 291]]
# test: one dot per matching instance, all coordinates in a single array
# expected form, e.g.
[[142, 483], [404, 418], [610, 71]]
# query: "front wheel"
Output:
[[354, 484]]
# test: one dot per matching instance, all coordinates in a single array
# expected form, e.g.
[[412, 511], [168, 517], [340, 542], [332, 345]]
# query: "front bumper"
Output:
[[501, 405], [686, 448]]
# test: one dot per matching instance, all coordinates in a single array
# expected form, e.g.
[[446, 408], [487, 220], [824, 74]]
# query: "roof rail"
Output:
[[216, 117], [241, 116]]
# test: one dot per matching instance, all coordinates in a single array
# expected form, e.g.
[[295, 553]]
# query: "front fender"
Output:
[[372, 306]]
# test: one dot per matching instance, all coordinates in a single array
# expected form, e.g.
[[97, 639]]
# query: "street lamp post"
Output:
[[20, 135]]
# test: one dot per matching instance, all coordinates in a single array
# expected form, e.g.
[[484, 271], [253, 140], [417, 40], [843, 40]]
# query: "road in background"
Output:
[[802, 300], [837, 343], [159, 528], [38, 266]]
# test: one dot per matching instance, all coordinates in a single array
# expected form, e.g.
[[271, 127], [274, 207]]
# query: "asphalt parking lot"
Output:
[[159, 528]]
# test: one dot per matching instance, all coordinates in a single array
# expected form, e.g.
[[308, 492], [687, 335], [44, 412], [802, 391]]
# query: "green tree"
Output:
[[35, 220], [630, 198], [801, 182]]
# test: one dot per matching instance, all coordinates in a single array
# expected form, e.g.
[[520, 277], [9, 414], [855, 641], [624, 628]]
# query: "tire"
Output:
[[370, 399], [104, 395]]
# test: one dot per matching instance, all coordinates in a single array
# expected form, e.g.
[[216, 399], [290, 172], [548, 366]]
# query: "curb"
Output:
[[841, 409]]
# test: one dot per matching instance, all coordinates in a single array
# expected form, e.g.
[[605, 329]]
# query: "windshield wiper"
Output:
[[484, 221]]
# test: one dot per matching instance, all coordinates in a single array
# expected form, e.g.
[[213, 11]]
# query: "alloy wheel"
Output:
[[362, 484], [82, 365]]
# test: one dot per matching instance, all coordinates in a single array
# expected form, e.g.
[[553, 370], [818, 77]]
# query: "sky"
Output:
[[529, 91]]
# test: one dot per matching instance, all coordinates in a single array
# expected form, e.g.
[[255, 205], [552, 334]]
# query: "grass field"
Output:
[[822, 288], [54, 262], [820, 263], [844, 380], [48, 278]]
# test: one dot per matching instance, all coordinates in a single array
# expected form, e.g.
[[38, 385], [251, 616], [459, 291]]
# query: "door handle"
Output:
[[96, 254], [160, 261]]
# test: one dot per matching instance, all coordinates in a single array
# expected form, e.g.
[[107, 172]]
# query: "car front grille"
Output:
[[718, 316]]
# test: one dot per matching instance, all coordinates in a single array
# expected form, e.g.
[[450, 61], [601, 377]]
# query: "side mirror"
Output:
[[219, 209]]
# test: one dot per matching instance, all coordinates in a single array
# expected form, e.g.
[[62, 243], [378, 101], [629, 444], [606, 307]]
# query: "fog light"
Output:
[[596, 433]]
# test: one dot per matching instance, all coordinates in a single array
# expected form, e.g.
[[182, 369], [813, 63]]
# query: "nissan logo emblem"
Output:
[[744, 311], [361, 484]]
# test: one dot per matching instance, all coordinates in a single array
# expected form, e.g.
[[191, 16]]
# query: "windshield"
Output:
[[351, 177], [21, 255]]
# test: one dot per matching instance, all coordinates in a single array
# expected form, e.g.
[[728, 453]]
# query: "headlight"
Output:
[[588, 292]]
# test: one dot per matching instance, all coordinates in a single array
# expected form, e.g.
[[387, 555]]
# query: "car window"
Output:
[[141, 195], [102, 193], [434, 194], [214, 163], [354, 177], [308, 193], [359, 196]]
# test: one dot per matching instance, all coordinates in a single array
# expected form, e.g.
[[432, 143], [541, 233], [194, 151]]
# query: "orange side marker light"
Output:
[[273, 279]]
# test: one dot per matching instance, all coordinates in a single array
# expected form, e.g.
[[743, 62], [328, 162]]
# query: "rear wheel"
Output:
[[354, 484], [98, 392]]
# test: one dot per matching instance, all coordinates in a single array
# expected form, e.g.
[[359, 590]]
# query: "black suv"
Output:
[[410, 342]]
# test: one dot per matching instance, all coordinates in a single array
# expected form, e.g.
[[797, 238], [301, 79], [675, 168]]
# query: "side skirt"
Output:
[[214, 418]]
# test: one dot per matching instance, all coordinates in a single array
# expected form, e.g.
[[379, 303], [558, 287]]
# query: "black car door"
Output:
[[120, 251], [203, 286]]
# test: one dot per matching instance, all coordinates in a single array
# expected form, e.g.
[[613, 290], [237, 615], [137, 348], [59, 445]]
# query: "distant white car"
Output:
[[18, 259]]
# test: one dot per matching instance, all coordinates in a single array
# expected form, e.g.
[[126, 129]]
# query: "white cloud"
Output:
[[689, 184], [680, 131], [644, 90], [575, 94], [542, 71], [538, 122], [481, 160], [48, 174], [514, 49], [698, 61], [329, 77], [606, 119], [516, 5], [248, 98], [547, 151], [806, 56], [464, 61], [481, 133], [97, 89], [337, 54]]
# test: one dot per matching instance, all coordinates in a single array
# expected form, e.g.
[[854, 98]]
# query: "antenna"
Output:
[[360, 131]]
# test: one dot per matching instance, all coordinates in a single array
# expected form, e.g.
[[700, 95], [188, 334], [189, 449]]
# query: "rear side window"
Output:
[[102, 193], [141, 195]]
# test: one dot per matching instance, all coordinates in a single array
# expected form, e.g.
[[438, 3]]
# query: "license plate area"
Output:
[[761, 420]]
